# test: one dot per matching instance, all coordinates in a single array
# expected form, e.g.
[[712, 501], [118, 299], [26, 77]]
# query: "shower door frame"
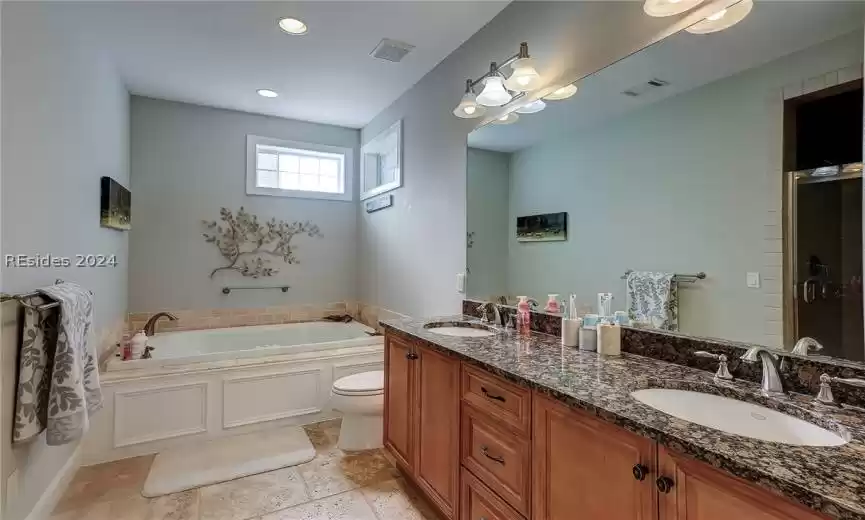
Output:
[[790, 292]]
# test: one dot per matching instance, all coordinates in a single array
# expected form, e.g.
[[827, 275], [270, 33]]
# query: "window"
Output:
[[292, 169]]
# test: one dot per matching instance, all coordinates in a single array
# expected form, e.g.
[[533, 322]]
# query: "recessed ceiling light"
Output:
[[669, 7], [293, 26], [263, 92], [723, 19]]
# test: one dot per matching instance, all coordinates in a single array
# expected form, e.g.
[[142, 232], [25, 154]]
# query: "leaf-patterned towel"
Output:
[[654, 299], [66, 356], [35, 363]]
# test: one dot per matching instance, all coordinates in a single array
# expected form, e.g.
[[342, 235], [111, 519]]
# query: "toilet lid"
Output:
[[363, 383]]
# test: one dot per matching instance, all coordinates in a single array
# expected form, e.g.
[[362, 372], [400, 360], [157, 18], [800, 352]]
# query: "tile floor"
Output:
[[334, 486]]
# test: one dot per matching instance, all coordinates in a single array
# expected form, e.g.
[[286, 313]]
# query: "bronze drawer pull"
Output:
[[639, 471], [486, 453], [665, 484], [491, 396]]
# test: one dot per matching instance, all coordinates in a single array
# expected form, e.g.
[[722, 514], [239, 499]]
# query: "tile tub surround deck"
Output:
[[829, 480], [196, 319]]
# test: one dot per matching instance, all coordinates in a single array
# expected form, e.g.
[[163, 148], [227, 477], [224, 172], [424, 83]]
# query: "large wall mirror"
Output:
[[711, 182]]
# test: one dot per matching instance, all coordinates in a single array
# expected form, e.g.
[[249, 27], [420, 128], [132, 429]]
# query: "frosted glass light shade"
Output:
[[494, 93], [660, 8], [469, 107], [506, 120], [524, 76], [562, 93], [723, 19], [533, 107]]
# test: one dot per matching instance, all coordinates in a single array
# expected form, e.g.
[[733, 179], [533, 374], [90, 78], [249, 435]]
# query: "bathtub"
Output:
[[213, 345], [207, 384]]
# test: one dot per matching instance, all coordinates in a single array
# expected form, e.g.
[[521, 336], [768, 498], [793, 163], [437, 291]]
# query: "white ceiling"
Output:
[[219, 53], [772, 30]]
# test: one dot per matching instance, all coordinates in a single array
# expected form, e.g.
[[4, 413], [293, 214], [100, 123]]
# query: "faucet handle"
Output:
[[723, 372], [824, 396]]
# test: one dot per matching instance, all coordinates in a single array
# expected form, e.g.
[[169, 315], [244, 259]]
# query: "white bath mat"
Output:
[[202, 463]]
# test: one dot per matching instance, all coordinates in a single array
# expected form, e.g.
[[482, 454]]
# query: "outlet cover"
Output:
[[753, 280]]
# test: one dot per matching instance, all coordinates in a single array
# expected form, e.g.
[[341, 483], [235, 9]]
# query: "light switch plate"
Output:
[[461, 283], [753, 280]]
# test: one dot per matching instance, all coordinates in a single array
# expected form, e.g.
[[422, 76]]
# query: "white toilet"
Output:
[[360, 398]]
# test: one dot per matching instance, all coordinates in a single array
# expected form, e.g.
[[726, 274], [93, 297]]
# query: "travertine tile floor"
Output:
[[334, 486]]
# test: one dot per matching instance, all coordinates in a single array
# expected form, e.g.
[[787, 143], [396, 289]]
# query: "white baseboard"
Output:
[[49, 499]]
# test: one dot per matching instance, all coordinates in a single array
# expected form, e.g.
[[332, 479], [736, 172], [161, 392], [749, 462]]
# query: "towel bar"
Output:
[[690, 278], [4, 297]]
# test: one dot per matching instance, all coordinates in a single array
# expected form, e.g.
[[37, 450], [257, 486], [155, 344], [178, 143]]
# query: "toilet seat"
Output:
[[362, 384]]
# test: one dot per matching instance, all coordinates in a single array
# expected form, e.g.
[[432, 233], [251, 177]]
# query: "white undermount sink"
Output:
[[465, 332], [737, 417]]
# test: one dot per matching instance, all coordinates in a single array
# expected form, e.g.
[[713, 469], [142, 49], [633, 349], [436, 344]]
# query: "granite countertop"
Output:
[[827, 479]]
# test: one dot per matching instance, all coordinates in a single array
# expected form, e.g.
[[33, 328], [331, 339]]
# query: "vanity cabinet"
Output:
[[483, 448], [586, 468], [696, 491], [398, 408], [421, 420]]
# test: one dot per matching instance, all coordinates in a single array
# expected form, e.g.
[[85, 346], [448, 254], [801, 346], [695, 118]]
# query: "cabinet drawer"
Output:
[[505, 401], [498, 455], [479, 503]]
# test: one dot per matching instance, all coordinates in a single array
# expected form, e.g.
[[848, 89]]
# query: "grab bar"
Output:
[[227, 290]]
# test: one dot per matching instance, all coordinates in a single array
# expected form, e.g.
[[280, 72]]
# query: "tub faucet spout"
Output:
[[150, 326]]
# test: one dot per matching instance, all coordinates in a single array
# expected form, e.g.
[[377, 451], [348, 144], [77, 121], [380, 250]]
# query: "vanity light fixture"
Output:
[[532, 107], [494, 93], [469, 107], [498, 91], [507, 119], [723, 19], [293, 26], [562, 93], [263, 92], [659, 8], [524, 76]]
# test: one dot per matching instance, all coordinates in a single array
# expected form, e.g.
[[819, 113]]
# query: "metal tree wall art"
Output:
[[245, 242]]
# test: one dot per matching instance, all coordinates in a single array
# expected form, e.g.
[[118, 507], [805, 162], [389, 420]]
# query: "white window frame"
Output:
[[366, 171], [253, 141]]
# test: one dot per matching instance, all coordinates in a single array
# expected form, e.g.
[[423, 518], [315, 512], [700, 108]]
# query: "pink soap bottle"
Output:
[[523, 316], [553, 304]]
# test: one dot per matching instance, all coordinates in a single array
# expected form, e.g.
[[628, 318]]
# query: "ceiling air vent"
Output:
[[642, 88], [391, 50]]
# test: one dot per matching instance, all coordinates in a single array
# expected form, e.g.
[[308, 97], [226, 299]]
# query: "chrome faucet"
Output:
[[771, 377], [489, 312], [150, 326], [806, 343]]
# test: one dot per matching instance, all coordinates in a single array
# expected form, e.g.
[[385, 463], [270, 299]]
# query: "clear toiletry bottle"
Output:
[[523, 316]]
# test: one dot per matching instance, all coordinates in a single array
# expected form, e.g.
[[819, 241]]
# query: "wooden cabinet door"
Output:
[[398, 407], [584, 468], [437, 386], [697, 491]]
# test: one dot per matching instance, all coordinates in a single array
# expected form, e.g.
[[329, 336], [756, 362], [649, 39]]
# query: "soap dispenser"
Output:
[[524, 318], [553, 304]]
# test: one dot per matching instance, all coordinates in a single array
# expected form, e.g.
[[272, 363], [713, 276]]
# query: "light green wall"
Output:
[[689, 184], [487, 214]]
